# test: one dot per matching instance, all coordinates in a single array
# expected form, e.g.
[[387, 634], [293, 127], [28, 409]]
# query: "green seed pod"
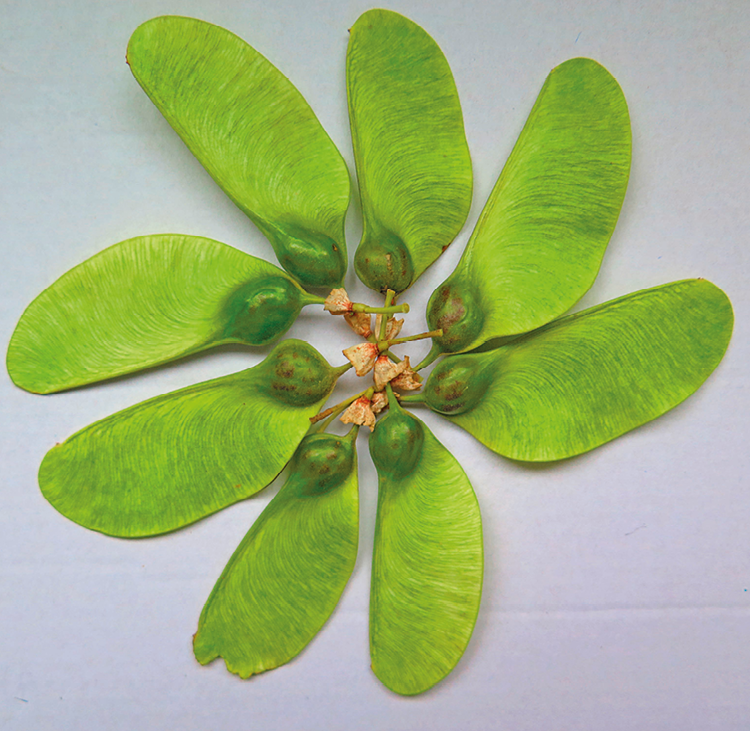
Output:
[[540, 239], [174, 459], [412, 159], [456, 385], [285, 578], [396, 443], [587, 378], [383, 262], [147, 301], [454, 309], [314, 259], [255, 134], [259, 311], [297, 374], [427, 557], [321, 463]]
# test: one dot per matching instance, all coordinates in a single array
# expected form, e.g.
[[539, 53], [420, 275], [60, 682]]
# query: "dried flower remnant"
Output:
[[362, 357], [361, 323], [338, 302], [408, 379], [386, 370], [379, 402], [360, 412]]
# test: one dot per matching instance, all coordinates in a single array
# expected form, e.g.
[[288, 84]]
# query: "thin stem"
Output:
[[352, 433], [334, 411], [389, 295], [412, 398], [311, 299], [342, 369], [392, 400], [325, 424], [431, 357], [392, 310], [385, 344], [392, 356]]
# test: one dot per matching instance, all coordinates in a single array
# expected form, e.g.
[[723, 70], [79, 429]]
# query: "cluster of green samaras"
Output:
[[526, 382]]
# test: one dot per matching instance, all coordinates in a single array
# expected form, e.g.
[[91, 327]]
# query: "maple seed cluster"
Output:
[[373, 355]]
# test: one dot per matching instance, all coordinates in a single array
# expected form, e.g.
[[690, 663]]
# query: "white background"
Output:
[[617, 585]]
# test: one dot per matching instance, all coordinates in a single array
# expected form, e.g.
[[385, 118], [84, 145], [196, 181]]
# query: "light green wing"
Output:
[[427, 562], [412, 158], [174, 459], [147, 301], [285, 578], [255, 134], [541, 237], [587, 378]]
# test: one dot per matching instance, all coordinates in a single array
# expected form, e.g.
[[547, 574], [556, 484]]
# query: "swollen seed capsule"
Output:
[[297, 374], [455, 385], [262, 310], [384, 263], [313, 259], [396, 443], [321, 463], [454, 309]]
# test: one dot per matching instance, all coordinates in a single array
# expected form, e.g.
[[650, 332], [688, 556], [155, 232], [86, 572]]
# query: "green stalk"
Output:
[[430, 358], [332, 412], [385, 344], [392, 400], [311, 299], [342, 369], [389, 295], [392, 310], [412, 398]]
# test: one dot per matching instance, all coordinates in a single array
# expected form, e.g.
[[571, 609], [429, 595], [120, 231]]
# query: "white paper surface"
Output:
[[617, 584]]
